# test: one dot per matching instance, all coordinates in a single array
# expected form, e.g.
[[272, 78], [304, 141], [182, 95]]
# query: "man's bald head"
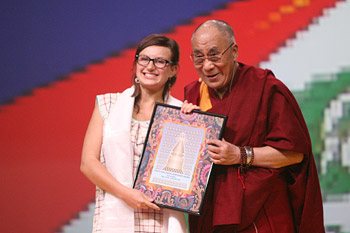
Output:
[[220, 25]]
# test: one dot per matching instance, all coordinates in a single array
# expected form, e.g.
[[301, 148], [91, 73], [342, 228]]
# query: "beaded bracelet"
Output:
[[247, 157], [243, 157]]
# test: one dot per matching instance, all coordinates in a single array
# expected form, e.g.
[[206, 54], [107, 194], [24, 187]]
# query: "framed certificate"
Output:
[[175, 166]]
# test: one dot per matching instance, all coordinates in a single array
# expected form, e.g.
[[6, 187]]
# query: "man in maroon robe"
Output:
[[280, 191]]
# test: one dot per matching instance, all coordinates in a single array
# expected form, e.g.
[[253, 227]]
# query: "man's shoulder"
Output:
[[257, 73], [193, 84], [192, 92]]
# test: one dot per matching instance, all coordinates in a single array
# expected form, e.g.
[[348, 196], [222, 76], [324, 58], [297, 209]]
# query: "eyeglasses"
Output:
[[199, 59], [144, 60]]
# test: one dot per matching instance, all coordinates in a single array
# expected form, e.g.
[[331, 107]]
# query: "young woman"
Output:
[[114, 141]]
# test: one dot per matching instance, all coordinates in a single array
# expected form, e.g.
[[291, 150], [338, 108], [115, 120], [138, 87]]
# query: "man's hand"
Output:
[[223, 153], [189, 107]]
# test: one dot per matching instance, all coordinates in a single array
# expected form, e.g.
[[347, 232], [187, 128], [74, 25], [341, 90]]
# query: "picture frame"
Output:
[[174, 167]]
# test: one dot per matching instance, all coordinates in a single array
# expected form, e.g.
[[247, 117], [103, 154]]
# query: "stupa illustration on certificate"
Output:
[[176, 159]]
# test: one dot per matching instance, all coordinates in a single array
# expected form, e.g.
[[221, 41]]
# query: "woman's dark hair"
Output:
[[156, 40]]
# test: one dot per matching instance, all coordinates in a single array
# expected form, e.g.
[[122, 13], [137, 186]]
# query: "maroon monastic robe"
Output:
[[261, 112]]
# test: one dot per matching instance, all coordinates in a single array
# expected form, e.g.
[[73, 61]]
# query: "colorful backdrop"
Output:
[[56, 57]]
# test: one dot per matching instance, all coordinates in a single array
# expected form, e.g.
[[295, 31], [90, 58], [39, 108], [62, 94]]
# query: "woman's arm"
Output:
[[92, 168]]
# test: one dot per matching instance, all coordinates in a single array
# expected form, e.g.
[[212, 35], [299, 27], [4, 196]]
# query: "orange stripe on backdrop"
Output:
[[42, 134]]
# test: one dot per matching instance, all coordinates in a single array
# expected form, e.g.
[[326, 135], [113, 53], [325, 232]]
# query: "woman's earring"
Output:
[[137, 80]]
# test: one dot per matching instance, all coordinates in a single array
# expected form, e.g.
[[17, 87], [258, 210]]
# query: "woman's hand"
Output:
[[189, 107], [137, 200]]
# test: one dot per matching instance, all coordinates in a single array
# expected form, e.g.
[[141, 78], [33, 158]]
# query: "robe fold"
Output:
[[261, 112]]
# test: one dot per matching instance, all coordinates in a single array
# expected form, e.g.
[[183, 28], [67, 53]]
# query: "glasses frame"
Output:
[[154, 60], [209, 56]]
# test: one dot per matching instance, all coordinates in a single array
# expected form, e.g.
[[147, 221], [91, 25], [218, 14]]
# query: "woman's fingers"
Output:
[[152, 206], [148, 203]]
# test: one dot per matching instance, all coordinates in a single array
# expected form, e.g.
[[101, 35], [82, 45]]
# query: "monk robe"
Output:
[[261, 112]]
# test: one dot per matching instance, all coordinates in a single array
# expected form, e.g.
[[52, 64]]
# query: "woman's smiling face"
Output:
[[150, 76]]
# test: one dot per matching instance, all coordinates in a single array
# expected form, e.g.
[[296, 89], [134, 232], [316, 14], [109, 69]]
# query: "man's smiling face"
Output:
[[208, 40]]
